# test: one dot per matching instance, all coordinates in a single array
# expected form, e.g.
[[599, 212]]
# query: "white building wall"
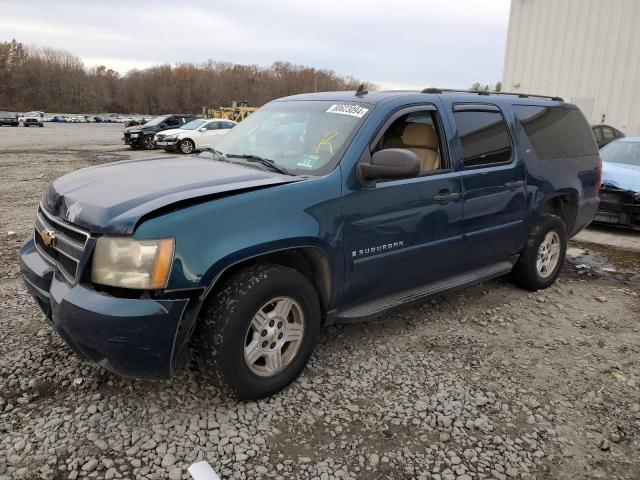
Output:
[[586, 51]]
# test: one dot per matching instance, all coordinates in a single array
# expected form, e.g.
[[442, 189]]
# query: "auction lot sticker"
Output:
[[348, 109]]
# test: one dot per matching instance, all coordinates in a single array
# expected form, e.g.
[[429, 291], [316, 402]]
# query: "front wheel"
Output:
[[186, 146], [542, 258], [258, 331], [148, 143]]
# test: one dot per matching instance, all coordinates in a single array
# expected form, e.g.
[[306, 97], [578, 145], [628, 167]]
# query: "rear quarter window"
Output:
[[556, 132]]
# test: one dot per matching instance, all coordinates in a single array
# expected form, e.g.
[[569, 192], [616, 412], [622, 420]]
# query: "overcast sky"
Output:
[[396, 44]]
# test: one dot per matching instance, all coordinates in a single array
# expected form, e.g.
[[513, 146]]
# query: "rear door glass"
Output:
[[484, 138], [556, 132]]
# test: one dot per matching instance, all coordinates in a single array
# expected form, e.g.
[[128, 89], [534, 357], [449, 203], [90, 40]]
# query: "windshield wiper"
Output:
[[267, 162], [217, 154]]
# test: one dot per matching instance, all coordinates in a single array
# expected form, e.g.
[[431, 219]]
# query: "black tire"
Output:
[[26, 126], [147, 142], [525, 273], [41, 125], [221, 335], [186, 146]]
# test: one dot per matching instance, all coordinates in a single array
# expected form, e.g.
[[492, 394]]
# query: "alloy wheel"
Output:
[[548, 254], [274, 336]]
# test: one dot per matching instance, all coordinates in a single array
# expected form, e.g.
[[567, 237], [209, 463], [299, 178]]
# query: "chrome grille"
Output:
[[68, 248]]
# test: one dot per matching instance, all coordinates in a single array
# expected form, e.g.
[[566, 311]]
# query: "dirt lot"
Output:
[[490, 382]]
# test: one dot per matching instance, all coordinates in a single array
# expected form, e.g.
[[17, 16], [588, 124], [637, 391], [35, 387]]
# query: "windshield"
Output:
[[6, 114], [193, 125], [304, 137], [622, 152], [156, 121], [32, 114]]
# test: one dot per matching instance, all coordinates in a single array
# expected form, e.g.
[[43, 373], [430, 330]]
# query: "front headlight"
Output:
[[171, 137], [128, 263]]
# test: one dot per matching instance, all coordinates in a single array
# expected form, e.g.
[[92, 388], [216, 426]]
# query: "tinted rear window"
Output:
[[557, 132]]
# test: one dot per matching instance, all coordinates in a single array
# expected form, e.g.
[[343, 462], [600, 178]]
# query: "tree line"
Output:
[[50, 80]]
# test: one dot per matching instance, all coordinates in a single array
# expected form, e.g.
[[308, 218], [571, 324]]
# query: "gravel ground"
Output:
[[491, 382]]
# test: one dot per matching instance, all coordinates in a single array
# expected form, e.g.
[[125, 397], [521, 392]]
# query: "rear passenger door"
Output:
[[493, 183]]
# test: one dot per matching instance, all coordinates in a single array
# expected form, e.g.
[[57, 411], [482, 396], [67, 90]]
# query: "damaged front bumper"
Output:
[[134, 337], [619, 207]]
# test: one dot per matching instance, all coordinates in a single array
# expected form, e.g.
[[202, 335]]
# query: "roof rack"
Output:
[[482, 92]]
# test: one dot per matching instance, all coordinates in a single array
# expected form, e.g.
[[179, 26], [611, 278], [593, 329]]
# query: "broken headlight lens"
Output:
[[128, 263]]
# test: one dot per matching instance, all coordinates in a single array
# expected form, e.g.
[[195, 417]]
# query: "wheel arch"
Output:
[[564, 205], [312, 261]]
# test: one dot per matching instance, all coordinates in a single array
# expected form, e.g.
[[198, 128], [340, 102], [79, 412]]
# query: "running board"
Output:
[[372, 309]]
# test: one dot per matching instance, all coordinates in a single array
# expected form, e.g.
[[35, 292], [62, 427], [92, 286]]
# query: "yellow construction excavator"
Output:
[[237, 112]]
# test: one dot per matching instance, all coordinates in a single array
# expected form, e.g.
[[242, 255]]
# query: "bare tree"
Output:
[[57, 81]]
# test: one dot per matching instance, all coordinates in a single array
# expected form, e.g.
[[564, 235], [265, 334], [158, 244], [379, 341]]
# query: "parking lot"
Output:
[[489, 382]]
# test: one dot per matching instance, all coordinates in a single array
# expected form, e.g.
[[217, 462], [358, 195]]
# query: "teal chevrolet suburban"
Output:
[[318, 208]]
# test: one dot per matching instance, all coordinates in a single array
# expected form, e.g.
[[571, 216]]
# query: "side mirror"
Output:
[[202, 129], [390, 163], [163, 126]]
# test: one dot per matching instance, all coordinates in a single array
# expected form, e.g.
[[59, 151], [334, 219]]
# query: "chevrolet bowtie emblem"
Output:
[[48, 238]]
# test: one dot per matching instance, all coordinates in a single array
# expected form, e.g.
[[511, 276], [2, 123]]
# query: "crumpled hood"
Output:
[[113, 198], [622, 176]]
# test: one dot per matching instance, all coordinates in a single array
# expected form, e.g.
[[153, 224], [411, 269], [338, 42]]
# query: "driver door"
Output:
[[404, 233], [211, 134]]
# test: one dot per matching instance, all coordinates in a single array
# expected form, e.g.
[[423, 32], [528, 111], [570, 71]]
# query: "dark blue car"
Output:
[[318, 208]]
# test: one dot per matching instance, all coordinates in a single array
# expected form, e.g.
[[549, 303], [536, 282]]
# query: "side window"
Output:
[[556, 132], [173, 121], [484, 138], [212, 125], [419, 132], [228, 125], [607, 133], [598, 134]]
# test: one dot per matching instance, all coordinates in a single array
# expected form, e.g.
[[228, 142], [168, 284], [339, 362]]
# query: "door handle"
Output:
[[515, 184], [446, 197]]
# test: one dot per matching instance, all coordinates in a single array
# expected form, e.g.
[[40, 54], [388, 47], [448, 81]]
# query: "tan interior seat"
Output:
[[422, 140]]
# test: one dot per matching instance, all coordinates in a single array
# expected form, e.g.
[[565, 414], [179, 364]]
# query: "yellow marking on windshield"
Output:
[[326, 141]]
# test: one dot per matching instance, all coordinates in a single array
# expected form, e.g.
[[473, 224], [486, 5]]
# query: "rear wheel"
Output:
[[186, 146], [258, 331], [543, 256]]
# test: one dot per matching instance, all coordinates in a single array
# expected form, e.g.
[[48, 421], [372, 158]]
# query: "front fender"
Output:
[[216, 234]]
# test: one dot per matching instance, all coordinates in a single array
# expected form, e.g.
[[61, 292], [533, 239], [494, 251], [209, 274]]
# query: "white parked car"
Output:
[[195, 135]]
